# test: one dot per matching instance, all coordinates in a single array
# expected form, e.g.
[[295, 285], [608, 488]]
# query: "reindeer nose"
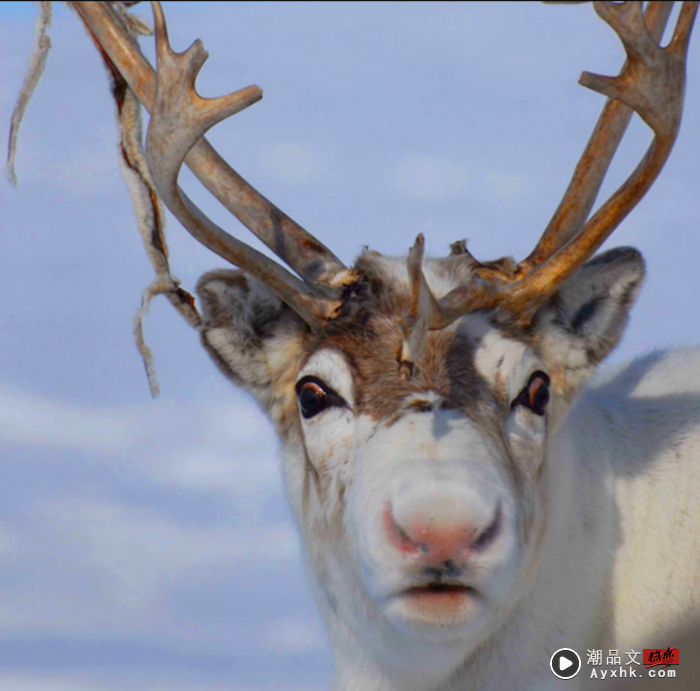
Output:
[[443, 530]]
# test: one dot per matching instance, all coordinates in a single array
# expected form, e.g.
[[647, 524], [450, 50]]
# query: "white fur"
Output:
[[328, 437], [605, 489], [497, 356]]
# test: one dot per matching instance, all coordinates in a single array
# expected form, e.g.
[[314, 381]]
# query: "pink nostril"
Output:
[[398, 536], [439, 540]]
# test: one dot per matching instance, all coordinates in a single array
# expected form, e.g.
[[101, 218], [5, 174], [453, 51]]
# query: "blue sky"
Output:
[[146, 544]]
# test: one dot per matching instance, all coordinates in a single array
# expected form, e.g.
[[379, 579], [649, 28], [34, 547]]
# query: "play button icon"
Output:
[[565, 663]]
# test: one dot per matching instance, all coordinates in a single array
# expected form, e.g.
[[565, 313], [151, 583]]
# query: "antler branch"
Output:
[[585, 184], [309, 258], [652, 82], [180, 118]]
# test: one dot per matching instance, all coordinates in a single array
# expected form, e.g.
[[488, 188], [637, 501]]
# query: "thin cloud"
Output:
[[292, 163], [507, 187], [116, 566], [231, 448], [431, 179], [292, 635], [30, 419], [73, 682], [89, 169]]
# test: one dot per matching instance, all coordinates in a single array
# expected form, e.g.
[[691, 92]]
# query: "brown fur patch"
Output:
[[446, 368], [371, 341]]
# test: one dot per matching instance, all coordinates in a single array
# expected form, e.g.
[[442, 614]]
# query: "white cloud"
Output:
[[239, 473], [292, 163], [292, 635], [31, 682], [437, 179], [30, 419], [231, 447], [430, 178], [71, 682], [140, 551], [234, 452], [114, 566], [8, 541], [506, 187]]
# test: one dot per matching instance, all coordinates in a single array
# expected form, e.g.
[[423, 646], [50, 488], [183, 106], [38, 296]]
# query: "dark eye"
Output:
[[535, 395], [315, 396]]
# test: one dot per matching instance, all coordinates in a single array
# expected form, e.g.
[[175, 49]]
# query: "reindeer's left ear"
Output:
[[585, 320]]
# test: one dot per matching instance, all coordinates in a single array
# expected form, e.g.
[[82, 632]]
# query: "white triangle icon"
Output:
[[564, 663]]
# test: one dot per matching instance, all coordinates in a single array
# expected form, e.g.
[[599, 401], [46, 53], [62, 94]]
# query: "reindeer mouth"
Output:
[[438, 590], [440, 587], [438, 603]]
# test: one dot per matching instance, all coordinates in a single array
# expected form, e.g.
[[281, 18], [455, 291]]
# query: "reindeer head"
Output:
[[415, 401], [421, 500]]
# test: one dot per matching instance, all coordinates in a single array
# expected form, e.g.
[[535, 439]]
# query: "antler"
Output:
[[179, 119], [652, 83], [591, 169], [175, 137]]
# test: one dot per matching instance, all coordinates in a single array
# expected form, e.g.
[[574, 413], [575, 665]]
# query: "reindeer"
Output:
[[470, 497]]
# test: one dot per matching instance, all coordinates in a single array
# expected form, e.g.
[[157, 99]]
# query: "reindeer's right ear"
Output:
[[250, 334]]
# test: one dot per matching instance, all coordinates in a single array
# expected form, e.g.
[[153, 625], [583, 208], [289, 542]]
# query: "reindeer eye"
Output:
[[314, 397], [535, 395]]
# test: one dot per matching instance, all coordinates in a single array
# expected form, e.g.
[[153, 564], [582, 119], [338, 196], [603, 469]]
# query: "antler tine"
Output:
[[423, 313], [180, 118], [429, 313], [300, 250]]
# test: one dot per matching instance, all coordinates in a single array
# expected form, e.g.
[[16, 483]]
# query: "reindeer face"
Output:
[[431, 486], [421, 501]]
